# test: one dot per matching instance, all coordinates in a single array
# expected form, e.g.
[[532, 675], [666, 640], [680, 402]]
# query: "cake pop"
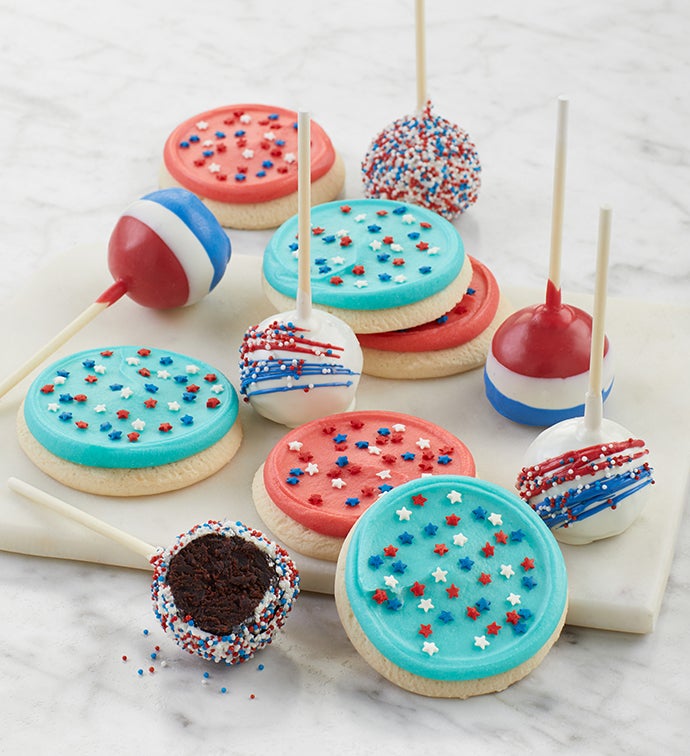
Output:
[[166, 250], [537, 366], [221, 590], [301, 364], [579, 474], [423, 158]]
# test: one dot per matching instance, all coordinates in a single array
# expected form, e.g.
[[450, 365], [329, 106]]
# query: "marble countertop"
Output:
[[90, 92]]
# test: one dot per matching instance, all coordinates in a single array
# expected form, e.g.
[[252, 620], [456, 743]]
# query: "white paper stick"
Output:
[[558, 194], [594, 404], [420, 50], [130, 542], [304, 303]]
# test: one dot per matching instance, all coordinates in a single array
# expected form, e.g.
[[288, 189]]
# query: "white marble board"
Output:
[[616, 584]]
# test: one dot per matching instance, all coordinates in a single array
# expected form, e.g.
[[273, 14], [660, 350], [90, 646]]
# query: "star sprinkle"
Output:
[[439, 575], [507, 571], [403, 513], [430, 648], [425, 605], [454, 497], [513, 599]]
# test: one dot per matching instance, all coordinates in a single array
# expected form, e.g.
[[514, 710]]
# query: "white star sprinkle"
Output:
[[59, 380], [374, 450], [214, 168], [481, 641], [337, 260], [163, 375], [295, 445], [375, 245], [423, 443], [425, 604], [99, 408], [270, 136], [217, 388], [403, 513], [100, 369], [507, 571], [495, 519], [396, 247], [430, 648], [359, 218], [338, 483], [360, 283], [192, 369], [432, 251], [513, 598], [138, 424], [53, 407], [408, 218], [390, 580], [439, 575], [454, 497], [341, 233], [247, 154], [459, 539], [126, 392], [173, 406], [400, 278], [202, 125], [311, 468], [383, 474], [290, 157], [245, 118], [132, 360], [399, 428]]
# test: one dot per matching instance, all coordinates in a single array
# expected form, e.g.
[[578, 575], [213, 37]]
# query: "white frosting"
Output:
[[285, 399], [571, 435], [545, 393]]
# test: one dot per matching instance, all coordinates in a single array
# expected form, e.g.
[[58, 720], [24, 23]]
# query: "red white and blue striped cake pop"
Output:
[[166, 250]]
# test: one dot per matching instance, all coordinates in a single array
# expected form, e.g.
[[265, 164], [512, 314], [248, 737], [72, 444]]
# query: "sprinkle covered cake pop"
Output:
[[222, 590], [536, 371], [304, 363], [587, 477]]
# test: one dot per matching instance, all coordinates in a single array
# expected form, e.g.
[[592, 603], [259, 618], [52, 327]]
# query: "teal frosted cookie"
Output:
[[376, 264], [129, 420], [450, 587]]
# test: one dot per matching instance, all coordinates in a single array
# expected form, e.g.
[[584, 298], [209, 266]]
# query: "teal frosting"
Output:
[[505, 585], [368, 254], [129, 407]]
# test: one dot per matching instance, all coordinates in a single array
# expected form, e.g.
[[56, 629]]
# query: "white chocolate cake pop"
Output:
[[302, 364], [587, 477]]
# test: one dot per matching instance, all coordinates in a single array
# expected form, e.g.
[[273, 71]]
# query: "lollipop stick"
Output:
[[553, 294], [93, 523], [303, 217], [420, 41], [594, 404], [110, 295]]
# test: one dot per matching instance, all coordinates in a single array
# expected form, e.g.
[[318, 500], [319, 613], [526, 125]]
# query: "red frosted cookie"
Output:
[[454, 343], [321, 476], [241, 160]]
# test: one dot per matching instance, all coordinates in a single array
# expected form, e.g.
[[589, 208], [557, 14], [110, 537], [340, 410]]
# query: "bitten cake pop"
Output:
[[423, 158], [221, 591], [586, 476], [301, 364], [166, 250], [536, 371], [241, 161]]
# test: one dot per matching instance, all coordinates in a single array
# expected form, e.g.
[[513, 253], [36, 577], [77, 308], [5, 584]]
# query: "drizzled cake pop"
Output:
[[166, 250], [221, 591], [423, 158], [300, 364], [537, 368], [587, 477]]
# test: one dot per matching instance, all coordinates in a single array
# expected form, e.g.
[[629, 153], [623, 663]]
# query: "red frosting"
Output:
[[300, 471], [550, 340], [225, 157], [470, 317]]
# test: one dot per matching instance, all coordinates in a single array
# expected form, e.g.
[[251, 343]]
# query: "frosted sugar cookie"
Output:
[[376, 264], [241, 160], [456, 342], [129, 420], [320, 477], [450, 587]]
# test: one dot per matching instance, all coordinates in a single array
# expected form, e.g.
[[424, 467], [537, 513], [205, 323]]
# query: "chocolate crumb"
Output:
[[218, 581]]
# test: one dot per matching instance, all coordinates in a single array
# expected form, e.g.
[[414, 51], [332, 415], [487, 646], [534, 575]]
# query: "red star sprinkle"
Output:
[[315, 500], [106, 353], [419, 500], [425, 630], [390, 551], [382, 212], [165, 427], [440, 549], [81, 424], [425, 224], [211, 377], [213, 402], [453, 591], [513, 617], [398, 261], [133, 436], [501, 537], [80, 397], [358, 270], [346, 241], [150, 403], [472, 612], [488, 549], [145, 372], [192, 388], [336, 280], [417, 589], [484, 578], [345, 208], [48, 388], [144, 352], [380, 596], [452, 520], [387, 240], [423, 246], [317, 230], [493, 628], [122, 414], [527, 564], [91, 379]]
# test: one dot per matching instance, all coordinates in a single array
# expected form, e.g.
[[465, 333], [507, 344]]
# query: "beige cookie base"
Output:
[[295, 536], [131, 481], [268, 214], [435, 363], [391, 318], [426, 686]]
